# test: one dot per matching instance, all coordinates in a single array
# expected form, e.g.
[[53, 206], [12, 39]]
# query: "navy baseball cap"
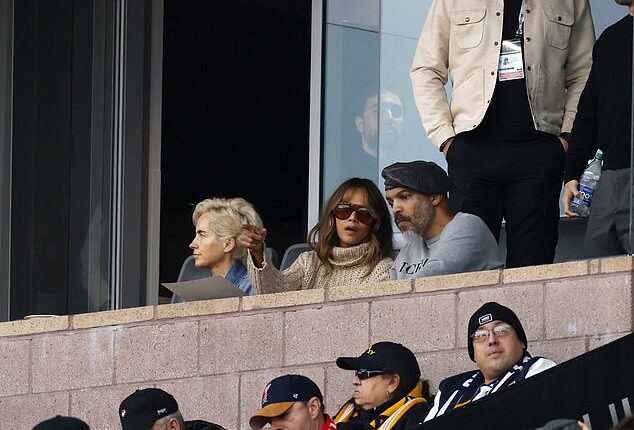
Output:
[[62, 423], [141, 409], [279, 396]]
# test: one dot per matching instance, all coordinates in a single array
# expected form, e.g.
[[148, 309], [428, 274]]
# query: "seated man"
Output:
[[155, 409], [439, 242], [497, 343], [292, 402]]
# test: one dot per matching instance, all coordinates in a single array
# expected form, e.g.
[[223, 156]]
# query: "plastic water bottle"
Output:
[[587, 185]]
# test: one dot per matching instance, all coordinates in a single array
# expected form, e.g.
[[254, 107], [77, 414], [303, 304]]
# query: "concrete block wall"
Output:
[[216, 356]]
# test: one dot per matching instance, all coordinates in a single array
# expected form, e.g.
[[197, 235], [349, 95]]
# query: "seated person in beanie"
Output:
[[62, 423], [292, 402], [497, 343], [155, 409], [387, 390], [439, 242]]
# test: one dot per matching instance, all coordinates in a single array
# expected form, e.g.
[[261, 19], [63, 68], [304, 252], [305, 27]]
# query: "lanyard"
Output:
[[520, 21]]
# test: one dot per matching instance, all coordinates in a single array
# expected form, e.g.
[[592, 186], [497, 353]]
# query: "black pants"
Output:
[[518, 183]]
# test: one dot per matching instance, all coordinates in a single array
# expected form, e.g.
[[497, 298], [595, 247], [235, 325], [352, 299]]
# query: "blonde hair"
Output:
[[226, 217]]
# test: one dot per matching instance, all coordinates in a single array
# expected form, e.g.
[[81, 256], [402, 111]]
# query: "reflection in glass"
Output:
[[361, 14], [370, 117], [351, 132]]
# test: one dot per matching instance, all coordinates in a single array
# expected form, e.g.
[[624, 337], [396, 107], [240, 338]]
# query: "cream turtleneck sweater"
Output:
[[308, 272]]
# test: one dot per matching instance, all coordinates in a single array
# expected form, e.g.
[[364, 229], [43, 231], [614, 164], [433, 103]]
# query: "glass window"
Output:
[[370, 118], [74, 156], [59, 202]]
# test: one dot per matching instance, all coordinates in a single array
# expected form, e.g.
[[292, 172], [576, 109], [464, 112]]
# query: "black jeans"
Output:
[[518, 183]]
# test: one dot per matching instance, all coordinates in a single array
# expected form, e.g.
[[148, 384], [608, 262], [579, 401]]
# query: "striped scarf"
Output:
[[389, 417], [474, 388]]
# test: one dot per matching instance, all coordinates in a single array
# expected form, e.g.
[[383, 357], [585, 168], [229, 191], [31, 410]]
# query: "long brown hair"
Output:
[[323, 237]]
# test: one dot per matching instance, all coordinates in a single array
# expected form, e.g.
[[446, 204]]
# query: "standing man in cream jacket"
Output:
[[517, 69]]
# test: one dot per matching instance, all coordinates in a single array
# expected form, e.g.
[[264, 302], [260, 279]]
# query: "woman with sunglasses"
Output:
[[387, 393], [351, 243]]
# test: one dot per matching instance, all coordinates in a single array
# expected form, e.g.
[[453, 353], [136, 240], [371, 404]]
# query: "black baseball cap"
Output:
[[388, 357], [493, 311], [425, 177], [141, 409], [62, 423], [279, 396]]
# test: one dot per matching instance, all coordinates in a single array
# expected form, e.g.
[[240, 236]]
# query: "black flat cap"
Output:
[[425, 177]]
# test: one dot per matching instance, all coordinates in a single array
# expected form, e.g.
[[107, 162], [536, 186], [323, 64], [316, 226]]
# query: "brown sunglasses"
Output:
[[344, 210]]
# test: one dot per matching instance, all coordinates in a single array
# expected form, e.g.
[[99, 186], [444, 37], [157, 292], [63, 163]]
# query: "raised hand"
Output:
[[253, 239]]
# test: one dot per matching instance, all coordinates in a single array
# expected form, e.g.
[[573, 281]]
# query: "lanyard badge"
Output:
[[511, 64]]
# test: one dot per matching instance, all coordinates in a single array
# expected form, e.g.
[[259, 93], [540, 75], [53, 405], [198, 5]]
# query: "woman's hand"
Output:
[[253, 239]]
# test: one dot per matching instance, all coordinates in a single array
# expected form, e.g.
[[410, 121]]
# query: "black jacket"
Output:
[[363, 418], [202, 425]]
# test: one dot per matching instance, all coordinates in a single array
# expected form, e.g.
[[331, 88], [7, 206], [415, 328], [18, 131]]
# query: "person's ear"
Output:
[[314, 407], [173, 424], [393, 383], [358, 122], [436, 199], [230, 245]]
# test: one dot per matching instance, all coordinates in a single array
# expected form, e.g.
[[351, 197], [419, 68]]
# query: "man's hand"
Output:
[[564, 143], [448, 143], [571, 189], [253, 239]]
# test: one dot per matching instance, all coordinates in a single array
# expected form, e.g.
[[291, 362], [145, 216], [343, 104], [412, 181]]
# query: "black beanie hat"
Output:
[[493, 311]]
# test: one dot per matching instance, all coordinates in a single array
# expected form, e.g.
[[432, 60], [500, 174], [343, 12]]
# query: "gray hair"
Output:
[[176, 415], [226, 217]]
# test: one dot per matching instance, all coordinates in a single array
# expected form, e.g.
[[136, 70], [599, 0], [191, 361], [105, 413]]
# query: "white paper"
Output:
[[213, 287]]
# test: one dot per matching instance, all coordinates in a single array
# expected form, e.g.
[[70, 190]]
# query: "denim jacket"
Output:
[[239, 277]]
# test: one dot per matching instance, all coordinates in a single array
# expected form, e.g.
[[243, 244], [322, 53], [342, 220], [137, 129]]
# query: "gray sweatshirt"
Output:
[[464, 245]]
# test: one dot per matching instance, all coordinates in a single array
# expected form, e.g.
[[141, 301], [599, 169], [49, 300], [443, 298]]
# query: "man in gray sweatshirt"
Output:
[[439, 242]]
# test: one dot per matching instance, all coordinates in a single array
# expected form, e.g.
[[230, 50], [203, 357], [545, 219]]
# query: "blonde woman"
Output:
[[351, 243], [217, 245]]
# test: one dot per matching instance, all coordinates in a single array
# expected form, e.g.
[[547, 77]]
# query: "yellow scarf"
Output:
[[393, 413]]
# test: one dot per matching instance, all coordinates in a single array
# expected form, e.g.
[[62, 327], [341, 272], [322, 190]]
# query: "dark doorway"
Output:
[[235, 116]]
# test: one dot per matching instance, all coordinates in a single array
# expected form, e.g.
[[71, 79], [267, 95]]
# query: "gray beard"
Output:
[[420, 222]]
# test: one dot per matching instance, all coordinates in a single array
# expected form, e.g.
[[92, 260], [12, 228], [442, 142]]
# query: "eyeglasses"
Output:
[[392, 110], [363, 374], [481, 334], [344, 210]]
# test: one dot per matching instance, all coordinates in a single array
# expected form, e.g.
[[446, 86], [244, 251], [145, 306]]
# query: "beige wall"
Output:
[[216, 356]]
